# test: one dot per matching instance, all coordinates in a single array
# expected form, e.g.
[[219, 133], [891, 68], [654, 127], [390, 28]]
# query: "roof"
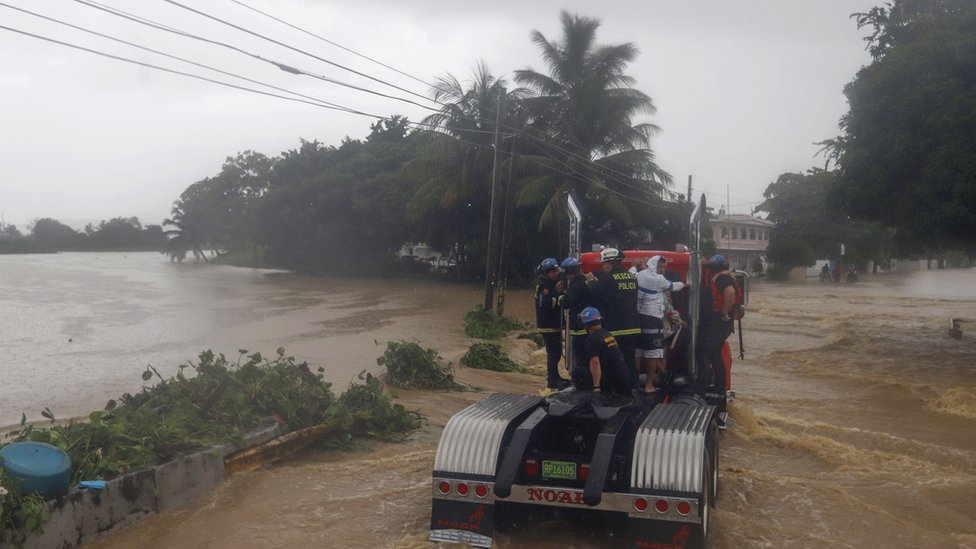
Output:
[[742, 219]]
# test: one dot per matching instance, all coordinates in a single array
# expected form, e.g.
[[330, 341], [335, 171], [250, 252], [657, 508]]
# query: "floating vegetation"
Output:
[[410, 366], [488, 356], [486, 324], [221, 402], [363, 408]]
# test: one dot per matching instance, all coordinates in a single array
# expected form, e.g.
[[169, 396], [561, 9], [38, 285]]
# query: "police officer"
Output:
[[548, 318], [604, 368], [615, 292], [716, 326], [576, 298]]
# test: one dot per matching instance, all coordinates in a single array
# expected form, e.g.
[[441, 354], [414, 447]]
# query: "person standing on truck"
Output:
[[604, 368], [652, 288], [716, 326], [615, 293], [548, 318], [576, 298]]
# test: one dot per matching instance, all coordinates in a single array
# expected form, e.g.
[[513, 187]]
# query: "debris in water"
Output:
[[955, 332]]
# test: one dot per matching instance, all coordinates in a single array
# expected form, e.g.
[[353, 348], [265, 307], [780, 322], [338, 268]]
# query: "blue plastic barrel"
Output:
[[41, 468]]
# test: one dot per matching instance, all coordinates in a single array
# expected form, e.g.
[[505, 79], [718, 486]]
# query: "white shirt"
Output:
[[650, 290]]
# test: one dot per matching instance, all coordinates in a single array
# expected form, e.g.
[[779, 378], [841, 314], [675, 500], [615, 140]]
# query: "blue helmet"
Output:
[[717, 260], [589, 315], [570, 263], [548, 264]]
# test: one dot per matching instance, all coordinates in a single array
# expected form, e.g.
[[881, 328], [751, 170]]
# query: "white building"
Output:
[[741, 238]]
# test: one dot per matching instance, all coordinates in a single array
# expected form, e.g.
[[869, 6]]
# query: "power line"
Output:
[[299, 50], [144, 48], [282, 66], [173, 71], [314, 102], [327, 41], [605, 169]]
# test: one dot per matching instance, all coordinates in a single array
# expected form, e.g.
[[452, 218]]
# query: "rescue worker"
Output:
[[716, 326], [652, 287], [576, 298], [548, 318], [615, 292], [604, 368]]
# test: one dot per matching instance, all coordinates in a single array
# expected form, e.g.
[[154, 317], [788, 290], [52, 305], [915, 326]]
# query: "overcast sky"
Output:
[[742, 89]]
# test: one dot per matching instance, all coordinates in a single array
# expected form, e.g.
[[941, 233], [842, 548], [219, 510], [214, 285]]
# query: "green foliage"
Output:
[[488, 356], [585, 108], [20, 513], [48, 236], [363, 408], [486, 324], [907, 149], [218, 403], [183, 413], [787, 252], [809, 225], [410, 366]]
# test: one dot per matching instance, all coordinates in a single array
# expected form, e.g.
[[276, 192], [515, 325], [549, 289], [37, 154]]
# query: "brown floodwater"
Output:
[[854, 424]]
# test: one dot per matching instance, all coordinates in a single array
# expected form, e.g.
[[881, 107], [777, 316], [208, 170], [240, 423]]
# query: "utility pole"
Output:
[[495, 221], [688, 196], [506, 229]]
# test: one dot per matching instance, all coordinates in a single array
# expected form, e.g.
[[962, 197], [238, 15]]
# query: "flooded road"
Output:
[[854, 424], [77, 329]]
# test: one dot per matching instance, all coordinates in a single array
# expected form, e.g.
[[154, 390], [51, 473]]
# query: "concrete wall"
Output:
[[81, 515]]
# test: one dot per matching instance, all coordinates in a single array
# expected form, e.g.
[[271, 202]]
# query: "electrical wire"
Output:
[[327, 41], [299, 50], [313, 101], [181, 73], [604, 169], [279, 65], [175, 57]]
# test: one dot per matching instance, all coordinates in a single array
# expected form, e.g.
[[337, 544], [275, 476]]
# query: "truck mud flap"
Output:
[[652, 534], [462, 522], [516, 452], [602, 454]]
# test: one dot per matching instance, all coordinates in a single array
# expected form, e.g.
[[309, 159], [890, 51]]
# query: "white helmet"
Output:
[[610, 254]]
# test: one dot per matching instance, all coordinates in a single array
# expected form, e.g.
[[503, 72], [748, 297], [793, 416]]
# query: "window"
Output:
[[735, 233], [725, 232], [752, 234]]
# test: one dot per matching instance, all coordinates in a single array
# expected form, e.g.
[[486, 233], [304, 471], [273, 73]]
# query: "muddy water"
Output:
[[854, 426], [79, 328]]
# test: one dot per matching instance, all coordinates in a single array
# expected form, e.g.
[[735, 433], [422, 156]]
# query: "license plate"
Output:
[[565, 470]]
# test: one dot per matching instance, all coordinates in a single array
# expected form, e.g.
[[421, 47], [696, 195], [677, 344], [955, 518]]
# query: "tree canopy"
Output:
[[908, 149], [809, 226], [345, 209]]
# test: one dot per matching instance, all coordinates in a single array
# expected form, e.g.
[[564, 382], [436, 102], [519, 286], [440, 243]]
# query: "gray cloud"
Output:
[[743, 89]]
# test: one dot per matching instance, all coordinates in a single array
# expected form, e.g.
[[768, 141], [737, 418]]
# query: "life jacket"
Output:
[[738, 309]]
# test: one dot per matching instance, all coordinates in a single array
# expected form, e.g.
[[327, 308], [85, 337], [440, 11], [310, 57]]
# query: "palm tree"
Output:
[[585, 141], [454, 170], [186, 234]]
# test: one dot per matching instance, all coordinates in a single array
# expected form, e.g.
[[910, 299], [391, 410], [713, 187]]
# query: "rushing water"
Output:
[[854, 426]]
